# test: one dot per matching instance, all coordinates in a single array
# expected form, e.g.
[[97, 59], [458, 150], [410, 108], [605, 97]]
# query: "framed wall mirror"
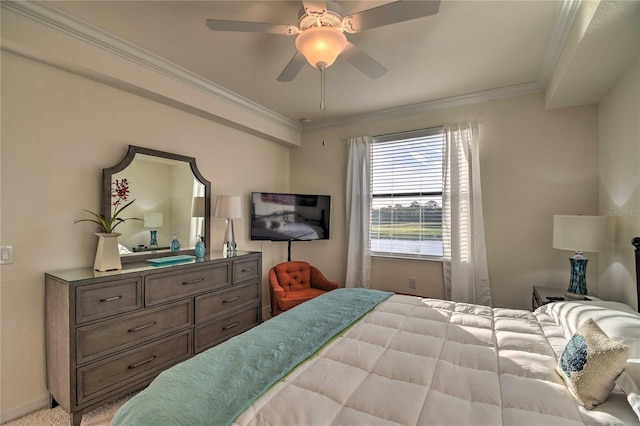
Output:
[[172, 199]]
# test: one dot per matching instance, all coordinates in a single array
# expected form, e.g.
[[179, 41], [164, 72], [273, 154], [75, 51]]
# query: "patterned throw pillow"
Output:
[[590, 363]]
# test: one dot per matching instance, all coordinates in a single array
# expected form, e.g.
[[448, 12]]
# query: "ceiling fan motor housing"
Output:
[[329, 17]]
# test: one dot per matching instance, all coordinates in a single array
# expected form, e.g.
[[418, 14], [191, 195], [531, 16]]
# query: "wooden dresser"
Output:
[[111, 333]]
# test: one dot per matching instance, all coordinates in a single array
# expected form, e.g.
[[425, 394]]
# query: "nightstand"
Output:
[[543, 295]]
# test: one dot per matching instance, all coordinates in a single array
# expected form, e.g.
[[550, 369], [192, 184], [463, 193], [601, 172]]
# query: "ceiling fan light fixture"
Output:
[[321, 45]]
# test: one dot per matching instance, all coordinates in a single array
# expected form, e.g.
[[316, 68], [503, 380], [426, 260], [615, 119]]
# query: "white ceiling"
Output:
[[467, 47]]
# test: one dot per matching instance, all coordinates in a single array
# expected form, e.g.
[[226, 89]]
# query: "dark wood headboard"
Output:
[[636, 244]]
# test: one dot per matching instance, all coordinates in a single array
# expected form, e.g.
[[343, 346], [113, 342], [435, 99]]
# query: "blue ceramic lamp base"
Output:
[[578, 283], [154, 240]]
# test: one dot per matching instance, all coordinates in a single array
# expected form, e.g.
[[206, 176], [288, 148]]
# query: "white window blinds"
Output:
[[406, 188]]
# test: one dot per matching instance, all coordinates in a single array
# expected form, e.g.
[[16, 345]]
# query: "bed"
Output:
[[367, 357]]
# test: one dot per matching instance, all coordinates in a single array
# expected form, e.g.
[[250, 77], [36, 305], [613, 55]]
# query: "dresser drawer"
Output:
[[104, 300], [214, 332], [119, 371], [164, 287], [210, 306], [245, 269], [107, 337]]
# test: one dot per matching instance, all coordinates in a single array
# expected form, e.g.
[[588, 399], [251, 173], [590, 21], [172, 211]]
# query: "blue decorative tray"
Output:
[[170, 259]]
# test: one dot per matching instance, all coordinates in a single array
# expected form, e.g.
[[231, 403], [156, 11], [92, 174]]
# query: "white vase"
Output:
[[107, 254]]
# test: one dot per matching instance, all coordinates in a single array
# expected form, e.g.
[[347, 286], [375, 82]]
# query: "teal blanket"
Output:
[[214, 387]]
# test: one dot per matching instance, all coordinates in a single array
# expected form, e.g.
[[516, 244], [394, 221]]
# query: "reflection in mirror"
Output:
[[170, 199], [164, 191]]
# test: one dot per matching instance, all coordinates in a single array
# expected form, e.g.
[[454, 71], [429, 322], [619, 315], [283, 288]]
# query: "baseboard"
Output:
[[34, 405]]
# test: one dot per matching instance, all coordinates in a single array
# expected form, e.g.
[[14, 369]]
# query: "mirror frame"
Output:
[[107, 179]]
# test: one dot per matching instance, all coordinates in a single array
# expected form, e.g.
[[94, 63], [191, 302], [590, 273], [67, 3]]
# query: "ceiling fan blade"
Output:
[[293, 68], [314, 6], [390, 13], [362, 61], [251, 27]]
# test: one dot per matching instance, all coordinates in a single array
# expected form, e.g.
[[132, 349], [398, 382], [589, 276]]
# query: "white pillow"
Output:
[[618, 320], [590, 364]]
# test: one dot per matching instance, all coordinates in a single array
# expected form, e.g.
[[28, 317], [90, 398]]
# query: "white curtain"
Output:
[[358, 213], [466, 278]]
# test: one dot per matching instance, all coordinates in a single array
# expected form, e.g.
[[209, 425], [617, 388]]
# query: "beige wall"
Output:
[[619, 155], [58, 132], [534, 163]]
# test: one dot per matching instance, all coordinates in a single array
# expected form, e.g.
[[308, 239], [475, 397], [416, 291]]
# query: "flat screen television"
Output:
[[289, 217]]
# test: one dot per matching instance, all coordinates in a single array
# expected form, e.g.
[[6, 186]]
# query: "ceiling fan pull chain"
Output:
[[322, 68]]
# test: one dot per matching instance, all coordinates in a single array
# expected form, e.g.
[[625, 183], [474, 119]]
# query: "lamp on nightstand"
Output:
[[579, 233]]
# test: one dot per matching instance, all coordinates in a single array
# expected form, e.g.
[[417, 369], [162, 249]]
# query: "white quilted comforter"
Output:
[[431, 362]]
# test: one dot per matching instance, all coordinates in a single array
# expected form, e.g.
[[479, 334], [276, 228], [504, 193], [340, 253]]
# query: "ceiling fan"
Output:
[[320, 37]]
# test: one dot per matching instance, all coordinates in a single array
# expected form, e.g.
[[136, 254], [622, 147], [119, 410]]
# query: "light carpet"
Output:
[[101, 416]]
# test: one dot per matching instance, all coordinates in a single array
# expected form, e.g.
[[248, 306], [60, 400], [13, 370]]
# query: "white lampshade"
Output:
[[321, 45], [228, 207], [197, 209], [578, 233], [153, 220]]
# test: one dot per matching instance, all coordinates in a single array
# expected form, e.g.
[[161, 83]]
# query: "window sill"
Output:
[[407, 257]]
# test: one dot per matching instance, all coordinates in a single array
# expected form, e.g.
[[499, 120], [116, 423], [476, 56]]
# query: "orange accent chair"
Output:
[[292, 283]]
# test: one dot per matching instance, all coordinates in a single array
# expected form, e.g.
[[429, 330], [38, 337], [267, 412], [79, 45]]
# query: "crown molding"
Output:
[[59, 20], [566, 16], [451, 102]]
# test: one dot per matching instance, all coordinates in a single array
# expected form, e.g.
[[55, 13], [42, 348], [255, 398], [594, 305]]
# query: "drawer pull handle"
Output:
[[142, 327], [230, 326], [247, 270], [146, 361], [199, 280], [111, 299], [233, 299]]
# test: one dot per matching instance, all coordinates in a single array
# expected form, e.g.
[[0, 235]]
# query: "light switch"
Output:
[[6, 255]]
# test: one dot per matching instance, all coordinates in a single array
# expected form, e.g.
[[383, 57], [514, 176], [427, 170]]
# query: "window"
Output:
[[406, 191]]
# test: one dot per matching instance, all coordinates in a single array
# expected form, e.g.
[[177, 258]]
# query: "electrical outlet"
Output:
[[6, 255], [412, 282]]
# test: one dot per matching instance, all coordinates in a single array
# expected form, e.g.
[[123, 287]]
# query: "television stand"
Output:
[[289, 251]]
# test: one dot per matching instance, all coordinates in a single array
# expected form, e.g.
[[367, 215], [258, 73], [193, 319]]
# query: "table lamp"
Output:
[[578, 233], [153, 221], [229, 207]]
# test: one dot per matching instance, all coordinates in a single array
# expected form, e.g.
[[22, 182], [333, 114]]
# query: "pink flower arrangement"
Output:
[[120, 194]]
